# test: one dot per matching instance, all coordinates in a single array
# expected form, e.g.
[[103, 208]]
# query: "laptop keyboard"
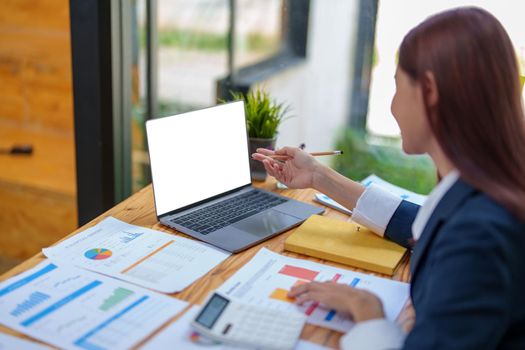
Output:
[[219, 215]]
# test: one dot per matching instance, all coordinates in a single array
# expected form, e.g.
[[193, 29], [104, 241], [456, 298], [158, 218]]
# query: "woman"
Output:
[[458, 99]]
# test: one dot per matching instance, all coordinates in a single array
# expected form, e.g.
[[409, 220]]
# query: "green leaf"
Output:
[[263, 115]]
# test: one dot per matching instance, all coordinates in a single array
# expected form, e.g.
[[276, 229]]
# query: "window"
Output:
[[393, 24], [192, 61], [140, 59]]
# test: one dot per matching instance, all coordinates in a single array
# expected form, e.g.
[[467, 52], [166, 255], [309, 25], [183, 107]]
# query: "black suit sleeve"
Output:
[[399, 228]]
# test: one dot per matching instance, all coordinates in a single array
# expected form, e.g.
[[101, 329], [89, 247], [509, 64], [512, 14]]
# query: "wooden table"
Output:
[[139, 210]]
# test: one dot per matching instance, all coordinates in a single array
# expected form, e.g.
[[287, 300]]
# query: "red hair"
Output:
[[478, 121]]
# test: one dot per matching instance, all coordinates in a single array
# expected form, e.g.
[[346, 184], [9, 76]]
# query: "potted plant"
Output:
[[263, 117]]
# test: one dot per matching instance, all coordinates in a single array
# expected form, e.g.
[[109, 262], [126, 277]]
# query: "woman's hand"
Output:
[[358, 303], [407, 317], [296, 168]]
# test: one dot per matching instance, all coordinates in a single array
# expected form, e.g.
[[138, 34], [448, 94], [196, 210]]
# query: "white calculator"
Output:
[[252, 326]]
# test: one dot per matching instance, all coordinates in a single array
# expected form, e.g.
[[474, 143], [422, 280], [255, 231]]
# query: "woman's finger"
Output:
[[269, 168], [273, 169], [305, 287], [315, 296], [298, 290], [277, 167], [259, 156], [265, 151], [282, 158], [287, 151]]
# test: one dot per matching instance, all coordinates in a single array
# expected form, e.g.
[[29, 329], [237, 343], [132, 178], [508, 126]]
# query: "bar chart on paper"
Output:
[[31, 302], [76, 309], [268, 277]]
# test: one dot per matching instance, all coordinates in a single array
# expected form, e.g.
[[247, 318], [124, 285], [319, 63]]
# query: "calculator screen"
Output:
[[212, 311]]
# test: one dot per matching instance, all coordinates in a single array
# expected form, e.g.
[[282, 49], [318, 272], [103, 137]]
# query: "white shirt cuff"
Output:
[[375, 208], [378, 334]]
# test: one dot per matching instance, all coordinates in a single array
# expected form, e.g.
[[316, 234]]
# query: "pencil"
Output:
[[328, 153], [315, 154]]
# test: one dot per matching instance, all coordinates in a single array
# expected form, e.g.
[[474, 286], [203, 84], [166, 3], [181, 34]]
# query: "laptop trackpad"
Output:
[[265, 223]]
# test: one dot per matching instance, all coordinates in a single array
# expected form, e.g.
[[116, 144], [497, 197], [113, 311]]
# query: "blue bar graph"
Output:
[[354, 282], [60, 303], [34, 299], [26, 280], [330, 315], [83, 341], [130, 236]]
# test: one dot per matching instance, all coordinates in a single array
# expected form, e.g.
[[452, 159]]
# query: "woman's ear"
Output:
[[430, 91]]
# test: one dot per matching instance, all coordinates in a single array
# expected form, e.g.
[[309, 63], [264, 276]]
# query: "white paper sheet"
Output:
[[77, 309], [179, 335], [8, 342], [266, 279], [398, 191], [324, 199], [149, 258], [374, 179]]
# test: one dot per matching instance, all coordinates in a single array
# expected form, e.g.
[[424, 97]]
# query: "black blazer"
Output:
[[468, 273]]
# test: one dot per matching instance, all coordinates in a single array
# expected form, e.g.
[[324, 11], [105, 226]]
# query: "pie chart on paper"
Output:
[[98, 253]]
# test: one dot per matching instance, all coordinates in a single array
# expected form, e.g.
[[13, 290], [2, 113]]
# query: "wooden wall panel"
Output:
[[46, 15], [51, 167], [35, 64], [50, 110], [37, 192]]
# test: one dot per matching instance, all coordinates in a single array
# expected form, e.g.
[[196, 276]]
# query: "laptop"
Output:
[[201, 180]]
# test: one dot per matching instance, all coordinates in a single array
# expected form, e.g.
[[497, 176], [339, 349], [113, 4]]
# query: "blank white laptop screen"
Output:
[[197, 155]]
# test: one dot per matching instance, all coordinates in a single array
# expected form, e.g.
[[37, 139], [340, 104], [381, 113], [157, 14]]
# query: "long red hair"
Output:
[[478, 121]]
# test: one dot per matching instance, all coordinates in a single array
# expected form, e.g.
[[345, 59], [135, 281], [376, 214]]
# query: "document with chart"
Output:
[[77, 309], [149, 258], [266, 279]]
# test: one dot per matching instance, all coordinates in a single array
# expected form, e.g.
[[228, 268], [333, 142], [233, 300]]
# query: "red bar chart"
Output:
[[299, 272]]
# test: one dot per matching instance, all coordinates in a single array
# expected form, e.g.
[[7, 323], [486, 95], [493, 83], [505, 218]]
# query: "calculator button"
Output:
[[227, 328]]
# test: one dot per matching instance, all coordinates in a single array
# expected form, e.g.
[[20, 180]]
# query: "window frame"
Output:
[[363, 64], [101, 62], [292, 52]]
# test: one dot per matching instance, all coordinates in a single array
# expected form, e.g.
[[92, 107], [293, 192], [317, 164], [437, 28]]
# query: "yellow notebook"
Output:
[[345, 242]]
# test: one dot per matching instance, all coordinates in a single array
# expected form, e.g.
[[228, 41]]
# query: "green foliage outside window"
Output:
[[388, 161]]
